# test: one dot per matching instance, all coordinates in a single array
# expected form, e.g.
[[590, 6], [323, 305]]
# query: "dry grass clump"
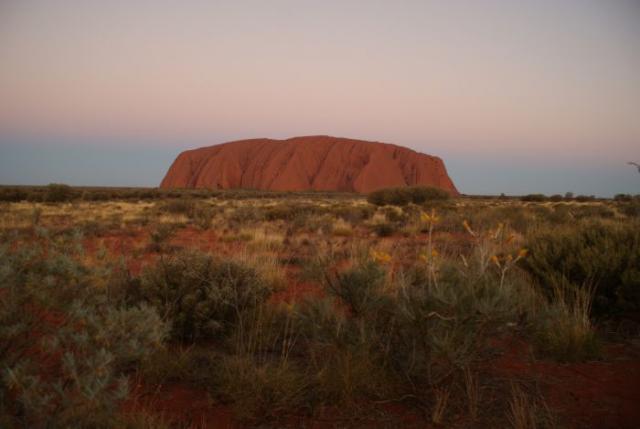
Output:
[[528, 412], [564, 330]]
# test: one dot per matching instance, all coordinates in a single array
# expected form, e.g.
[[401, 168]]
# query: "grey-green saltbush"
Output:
[[201, 296]]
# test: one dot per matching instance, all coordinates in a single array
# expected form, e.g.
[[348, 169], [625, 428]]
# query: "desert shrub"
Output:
[[246, 214], [12, 194], [345, 371], [289, 212], [160, 235], [357, 287], [442, 325], [200, 296], [66, 344], [261, 390], [630, 209], [57, 192], [202, 216], [354, 214], [534, 198], [584, 198], [261, 376], [516, 217], [36, 216], [623, 198], [322, 224], [412, 212], [197, 365], [385, 229], [143, 419], [528, 411], [342, 229], [606, 255], [560, 214], [376, 336], [341, 336], [184, 206], [406, 195], [394, 216], [593, 211]]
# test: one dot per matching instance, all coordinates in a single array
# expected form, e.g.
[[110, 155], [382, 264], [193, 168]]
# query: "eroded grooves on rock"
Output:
[[319, 163]]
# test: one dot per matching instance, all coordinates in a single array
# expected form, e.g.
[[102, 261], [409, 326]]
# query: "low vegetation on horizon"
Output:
[[145, 308]]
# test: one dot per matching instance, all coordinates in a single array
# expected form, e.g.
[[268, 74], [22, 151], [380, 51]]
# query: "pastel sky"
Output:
[[516, 96]]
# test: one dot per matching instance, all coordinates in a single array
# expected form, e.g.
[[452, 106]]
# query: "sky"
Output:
[[517, 97]]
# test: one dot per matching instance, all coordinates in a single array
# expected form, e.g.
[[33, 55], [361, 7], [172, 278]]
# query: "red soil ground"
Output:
[[603, 394]]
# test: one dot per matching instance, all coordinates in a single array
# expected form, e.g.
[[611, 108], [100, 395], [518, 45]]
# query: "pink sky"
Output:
[[510, 78]]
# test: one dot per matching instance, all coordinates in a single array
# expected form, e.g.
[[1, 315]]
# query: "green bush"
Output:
[[406, 195], [606, 255], [200, 296]]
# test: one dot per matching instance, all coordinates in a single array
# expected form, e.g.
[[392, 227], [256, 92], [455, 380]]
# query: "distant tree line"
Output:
[[58, 192]]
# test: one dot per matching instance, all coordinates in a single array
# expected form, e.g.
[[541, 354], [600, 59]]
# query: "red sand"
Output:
[[599, 394], [603, 394]]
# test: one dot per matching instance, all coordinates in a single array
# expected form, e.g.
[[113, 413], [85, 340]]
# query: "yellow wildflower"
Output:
[[426, 257], [495, 260], [380, 257], [522, 253], [429, 218]]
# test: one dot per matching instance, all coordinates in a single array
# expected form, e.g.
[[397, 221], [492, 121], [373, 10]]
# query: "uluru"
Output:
[[320, 163]]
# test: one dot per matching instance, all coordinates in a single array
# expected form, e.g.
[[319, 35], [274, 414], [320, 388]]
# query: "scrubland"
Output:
[[148, 309]]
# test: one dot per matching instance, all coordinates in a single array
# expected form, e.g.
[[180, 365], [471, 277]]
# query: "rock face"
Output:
[[320, 163]]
